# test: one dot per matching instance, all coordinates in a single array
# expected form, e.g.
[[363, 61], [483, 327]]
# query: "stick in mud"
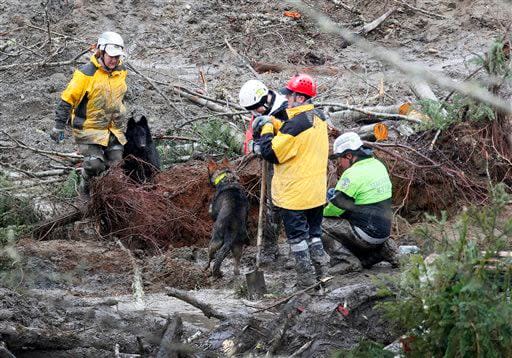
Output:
[[207, 310], [287, 298]]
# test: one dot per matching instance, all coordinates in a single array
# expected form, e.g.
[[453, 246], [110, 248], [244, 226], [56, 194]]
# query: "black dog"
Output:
[[229, 209], [141, 159]]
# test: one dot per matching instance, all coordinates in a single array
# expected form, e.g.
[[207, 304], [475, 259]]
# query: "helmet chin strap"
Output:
[[294, 102], [102, 58]]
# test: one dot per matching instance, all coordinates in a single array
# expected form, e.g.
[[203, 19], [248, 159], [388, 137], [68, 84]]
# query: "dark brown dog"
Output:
[[229, 210]]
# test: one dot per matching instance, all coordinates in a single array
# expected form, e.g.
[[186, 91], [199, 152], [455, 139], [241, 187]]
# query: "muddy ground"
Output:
[[185, 43]]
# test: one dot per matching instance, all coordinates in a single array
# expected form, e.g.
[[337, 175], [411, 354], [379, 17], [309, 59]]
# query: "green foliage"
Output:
[[69, 188], [16, 210], [11, 273], [365, 349], [440, 117], [457, 303], [443, 115], [171, 152], [16, 214], [467, 109], [495, 61], [217, 138], [214, 138]]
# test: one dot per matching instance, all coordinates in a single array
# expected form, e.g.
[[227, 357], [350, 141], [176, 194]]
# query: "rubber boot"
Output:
[[345, 265], [269, 253], [319, 257], [304, 269], [391, 253], [270, 249], [84, 188]]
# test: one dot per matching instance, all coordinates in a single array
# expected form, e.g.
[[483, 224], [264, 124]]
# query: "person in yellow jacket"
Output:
[[299, 148], [93, 105]]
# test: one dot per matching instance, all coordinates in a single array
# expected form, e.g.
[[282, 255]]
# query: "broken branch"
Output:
[[287, 298], [256, 74], [369, 27], [420, 10], [20, 144], [207, 310], [156, 87], [370, 113]]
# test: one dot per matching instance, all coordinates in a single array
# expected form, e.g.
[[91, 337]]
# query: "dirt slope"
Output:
[[176, 41]]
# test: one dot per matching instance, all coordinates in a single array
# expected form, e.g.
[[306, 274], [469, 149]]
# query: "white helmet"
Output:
[[346, 141], [112, 43], [252, 93]]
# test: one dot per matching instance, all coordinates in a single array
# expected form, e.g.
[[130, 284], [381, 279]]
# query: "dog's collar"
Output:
[[219, 178]]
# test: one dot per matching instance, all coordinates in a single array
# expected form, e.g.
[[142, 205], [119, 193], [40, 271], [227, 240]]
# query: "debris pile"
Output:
[[171, 211], [456, 172]]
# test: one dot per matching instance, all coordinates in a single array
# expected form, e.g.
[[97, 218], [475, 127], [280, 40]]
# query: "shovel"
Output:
[[255, 280]]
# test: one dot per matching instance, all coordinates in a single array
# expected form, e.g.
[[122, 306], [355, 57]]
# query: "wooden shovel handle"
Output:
[[263, 192]]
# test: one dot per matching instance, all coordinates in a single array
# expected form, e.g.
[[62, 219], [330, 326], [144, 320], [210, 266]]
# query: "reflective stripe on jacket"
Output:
[[299, 152], [96, 97]]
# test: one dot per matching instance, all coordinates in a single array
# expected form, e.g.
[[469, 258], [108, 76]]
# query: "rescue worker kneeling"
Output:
[[93, 100], [357, 218]]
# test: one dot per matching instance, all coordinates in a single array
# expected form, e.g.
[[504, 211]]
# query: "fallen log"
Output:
[[350, 115], [423, 91], [207, 310], [263, 67], [371, 114]]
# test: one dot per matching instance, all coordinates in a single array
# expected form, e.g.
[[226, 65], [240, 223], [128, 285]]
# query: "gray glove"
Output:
[[258, 123], [57, 134], [331, 193]]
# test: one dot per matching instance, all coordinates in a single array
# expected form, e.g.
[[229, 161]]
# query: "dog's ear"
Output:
[[131, 123], [225, 162], [143, 120], [212, 166]]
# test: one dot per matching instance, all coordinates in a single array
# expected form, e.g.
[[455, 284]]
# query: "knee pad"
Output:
[[93, 166], [114, 154]]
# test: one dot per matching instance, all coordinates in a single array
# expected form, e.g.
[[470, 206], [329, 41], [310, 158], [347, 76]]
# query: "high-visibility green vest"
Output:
[[366, 181]]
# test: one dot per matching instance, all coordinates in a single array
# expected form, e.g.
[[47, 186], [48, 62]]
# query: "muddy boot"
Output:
[[269, 252], [345, 265], [289, 264], [391, 253], [84, 188], [319, 258], [304, 268]]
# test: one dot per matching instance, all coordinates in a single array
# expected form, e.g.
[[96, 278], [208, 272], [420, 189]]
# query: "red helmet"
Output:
[[301, 83]]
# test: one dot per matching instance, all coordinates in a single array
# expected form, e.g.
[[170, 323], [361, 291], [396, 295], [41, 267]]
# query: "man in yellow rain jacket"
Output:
[[93, 104], [299, 148]]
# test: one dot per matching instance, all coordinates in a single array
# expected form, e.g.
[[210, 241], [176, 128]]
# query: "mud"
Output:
[[183, 42]]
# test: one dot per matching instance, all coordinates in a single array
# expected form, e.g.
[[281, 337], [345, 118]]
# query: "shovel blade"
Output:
[[256, 287]]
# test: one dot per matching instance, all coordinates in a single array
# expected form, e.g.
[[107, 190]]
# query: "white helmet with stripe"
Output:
[[112, 43], [252, 94]]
